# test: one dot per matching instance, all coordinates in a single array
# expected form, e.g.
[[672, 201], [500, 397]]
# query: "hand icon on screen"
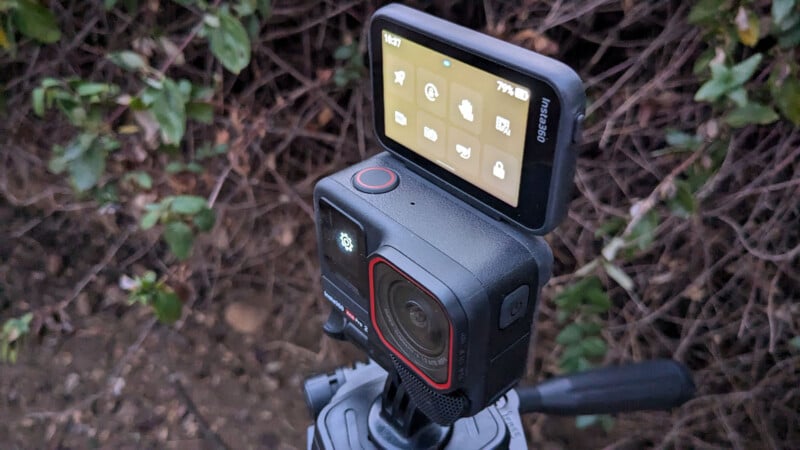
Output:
[[465, 108]]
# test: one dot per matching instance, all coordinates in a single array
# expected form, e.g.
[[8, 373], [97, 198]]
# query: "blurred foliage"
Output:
[[147, 290], [352, 68], [182, 216], [154, 108], [749, 76], [11, 336]]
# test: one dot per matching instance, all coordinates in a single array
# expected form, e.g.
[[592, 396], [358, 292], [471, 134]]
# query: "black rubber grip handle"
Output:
[[649, 385]]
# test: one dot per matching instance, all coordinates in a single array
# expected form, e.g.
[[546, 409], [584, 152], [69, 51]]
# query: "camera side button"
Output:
[[375, 180], [577, 129], [514, 306]]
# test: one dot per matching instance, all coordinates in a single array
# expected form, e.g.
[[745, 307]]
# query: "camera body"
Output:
[[427, 285]]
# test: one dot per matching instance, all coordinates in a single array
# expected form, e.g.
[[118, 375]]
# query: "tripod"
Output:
[[364, 407]]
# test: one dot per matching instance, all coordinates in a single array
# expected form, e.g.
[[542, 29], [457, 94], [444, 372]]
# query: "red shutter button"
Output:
[[375, 180]]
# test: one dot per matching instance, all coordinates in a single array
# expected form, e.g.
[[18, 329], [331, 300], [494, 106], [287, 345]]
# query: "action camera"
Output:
[[428, 286], [430, 251]]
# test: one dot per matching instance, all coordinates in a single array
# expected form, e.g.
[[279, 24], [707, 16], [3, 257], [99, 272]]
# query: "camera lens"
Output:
[[428, 336], [412, 322]]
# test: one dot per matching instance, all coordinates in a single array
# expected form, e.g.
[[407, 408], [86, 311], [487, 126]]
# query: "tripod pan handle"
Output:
[[649, 385]]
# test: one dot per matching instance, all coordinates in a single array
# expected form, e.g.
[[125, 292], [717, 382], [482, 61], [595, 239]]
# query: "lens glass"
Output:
[[412, 321]]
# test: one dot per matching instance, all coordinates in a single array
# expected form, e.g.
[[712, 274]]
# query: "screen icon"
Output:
[[346, 242], [465, 108], [499, 170], [430, 134], [431, 92], [400, 118], [503, 125], [463, 151], [522, 94], [399, 77]]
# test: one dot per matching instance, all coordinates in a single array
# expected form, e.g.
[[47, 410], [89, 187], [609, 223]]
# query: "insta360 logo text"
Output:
[[541, 135]]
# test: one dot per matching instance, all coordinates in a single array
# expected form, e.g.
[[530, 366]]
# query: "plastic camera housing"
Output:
[[427, 285]]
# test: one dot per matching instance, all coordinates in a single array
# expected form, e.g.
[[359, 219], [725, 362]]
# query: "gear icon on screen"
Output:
[[346, 242]]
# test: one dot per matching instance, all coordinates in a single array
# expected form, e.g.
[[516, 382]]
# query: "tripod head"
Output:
[[365, 407]]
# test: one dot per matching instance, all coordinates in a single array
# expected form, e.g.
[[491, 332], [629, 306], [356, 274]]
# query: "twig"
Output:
[[93, 272], [786, 256], [208, 433]]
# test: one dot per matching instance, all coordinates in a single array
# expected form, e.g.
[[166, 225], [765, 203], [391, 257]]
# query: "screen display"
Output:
[[343, 246], [467, 120]]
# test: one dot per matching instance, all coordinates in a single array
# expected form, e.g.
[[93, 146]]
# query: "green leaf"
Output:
[[752, 113], [141, 178], [37, 98], [193, 167], [201, 112], [149, 219], [245, 7], [50, 82], [571, 334], [86, 171], [744, 70], [679, 139], [790, 38], [597, 301], [781, 10], [208, 151], [202, 93], [345, 51], [167, 306], [128, 60], [716, 87], [610, 227], [211, 20], [188, 204], [264, 8], [590, 328], [586, 421], [229, 42], [702, 61], [738, 96], [169, 109], [88, 89], [36, 21], [643, 233], [204, 220], [706, 10], [788, 100], [179, 237], [594, 346], [683, 203], [253, 27], [175, 167]]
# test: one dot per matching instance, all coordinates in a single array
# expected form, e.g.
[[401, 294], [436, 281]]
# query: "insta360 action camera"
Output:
[[430, 252]]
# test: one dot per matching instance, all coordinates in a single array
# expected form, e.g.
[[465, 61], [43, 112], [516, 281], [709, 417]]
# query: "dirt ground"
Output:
[[717, 291]]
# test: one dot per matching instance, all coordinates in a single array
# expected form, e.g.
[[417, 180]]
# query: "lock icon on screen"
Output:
[[499, 170]]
